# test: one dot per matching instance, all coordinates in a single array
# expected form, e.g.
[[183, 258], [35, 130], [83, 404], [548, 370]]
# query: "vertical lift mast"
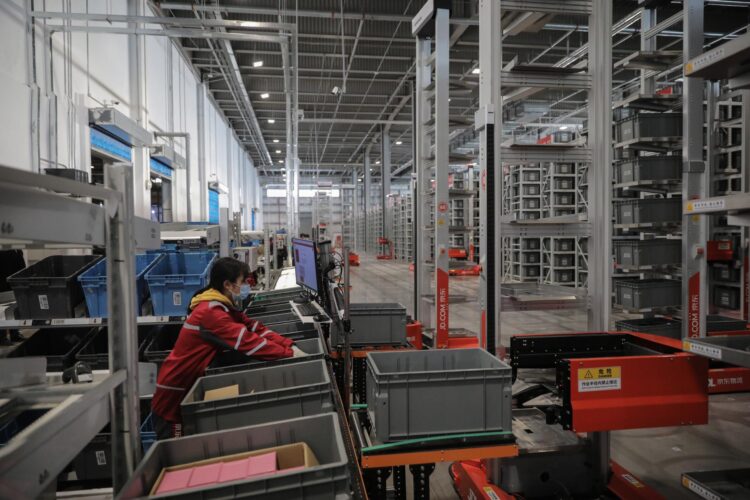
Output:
[[431, 27]]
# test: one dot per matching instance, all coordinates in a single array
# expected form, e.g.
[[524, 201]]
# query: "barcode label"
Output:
[[43, 302], [177, 298], [101, 457]]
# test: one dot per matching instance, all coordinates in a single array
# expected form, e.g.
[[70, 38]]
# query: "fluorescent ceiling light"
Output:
[[281, 161], [377, 162], [398, 143], [278, 151], [249, 24], [271, 120], [257, 64], [564, 127], [264, 95], [475, 71], [275, 140]]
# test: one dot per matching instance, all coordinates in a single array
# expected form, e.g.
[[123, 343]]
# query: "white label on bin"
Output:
[[605, 378], [43, 302], [177, 298], [101, 458]]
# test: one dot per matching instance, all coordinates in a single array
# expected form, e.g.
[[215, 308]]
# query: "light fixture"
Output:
[[475, 71], [377, 162], [564, 127], [271, 120], [264, 95], [398, 143], [278, 151], [275, 140], [281, 161], [257, 64]]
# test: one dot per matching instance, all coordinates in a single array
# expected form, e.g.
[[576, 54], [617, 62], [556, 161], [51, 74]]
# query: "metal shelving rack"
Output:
[[31, 205], [348, 196], [648, 100], [493, 80]]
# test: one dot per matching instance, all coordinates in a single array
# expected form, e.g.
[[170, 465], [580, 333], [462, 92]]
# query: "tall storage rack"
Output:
[[496, 79], [725, 62], [648, 176], [31, 205], [348, 195], [403, 227]]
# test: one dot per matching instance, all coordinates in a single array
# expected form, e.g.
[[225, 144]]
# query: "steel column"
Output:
[[599, 196], [366, 200], [694, 180], [122, 327], [490, 171], [385, 162], [421, 207]]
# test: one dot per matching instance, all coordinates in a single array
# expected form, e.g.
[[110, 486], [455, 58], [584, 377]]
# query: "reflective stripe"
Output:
[[259, 346], [254, 326], [214, 303], [239, 338], [264, 333], [170, 388], [188, 326]]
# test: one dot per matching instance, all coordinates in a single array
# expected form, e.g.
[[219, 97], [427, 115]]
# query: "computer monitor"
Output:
[[306, 264]]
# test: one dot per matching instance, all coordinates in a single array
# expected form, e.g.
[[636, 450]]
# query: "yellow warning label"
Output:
[[689, 207], [604, 378], [688, 68], [491, 493]]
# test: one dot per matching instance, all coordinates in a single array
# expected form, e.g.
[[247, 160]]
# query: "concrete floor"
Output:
[[656, 456]]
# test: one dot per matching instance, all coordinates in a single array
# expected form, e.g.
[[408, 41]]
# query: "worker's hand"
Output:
[[297, 352]]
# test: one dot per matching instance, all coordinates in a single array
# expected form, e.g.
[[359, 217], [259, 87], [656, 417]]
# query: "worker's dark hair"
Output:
[[225, 269]]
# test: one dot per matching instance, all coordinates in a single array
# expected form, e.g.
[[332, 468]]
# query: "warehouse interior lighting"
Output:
[[475, 71], [278, 151], [257, 64], [398, 143], [271, 120], [275, 141], [264, 95]]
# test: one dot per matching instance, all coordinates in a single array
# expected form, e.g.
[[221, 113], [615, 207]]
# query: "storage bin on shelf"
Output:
[[648, 210], [639, 253], [58, 346], [49, 289], [443, 391], [647, 294], [174, 279], [325, 476], [95, 350], [94, 284], [657, 326], [265, 394]]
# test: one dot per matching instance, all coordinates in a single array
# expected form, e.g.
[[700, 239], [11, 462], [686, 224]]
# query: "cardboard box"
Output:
[[291, 456], [230, 391]]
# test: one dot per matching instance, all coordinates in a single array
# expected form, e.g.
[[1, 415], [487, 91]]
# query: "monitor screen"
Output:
[[305, 264]]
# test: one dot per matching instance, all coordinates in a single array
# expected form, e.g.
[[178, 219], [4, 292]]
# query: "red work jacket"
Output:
[[193, 352]]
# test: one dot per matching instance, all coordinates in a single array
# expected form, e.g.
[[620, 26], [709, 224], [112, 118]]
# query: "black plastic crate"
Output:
[[638, 253], [564, 245], [531, 258], [648, 210], [649, 126], [726, 273], [657, 326], [58, 345], [95, 351], [162, 342], [530, 244], [564, 276], [564, 260], [50, 289], [717, 323], [727, 297], [645, 294], [564, 183], [649, 168]]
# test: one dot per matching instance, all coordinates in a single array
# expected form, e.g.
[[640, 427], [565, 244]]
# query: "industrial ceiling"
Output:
[[356, 65]]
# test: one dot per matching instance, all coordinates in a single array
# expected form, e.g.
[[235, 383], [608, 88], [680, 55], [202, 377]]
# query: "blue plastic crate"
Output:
[[148, 434], [94, 284], [175, 278]]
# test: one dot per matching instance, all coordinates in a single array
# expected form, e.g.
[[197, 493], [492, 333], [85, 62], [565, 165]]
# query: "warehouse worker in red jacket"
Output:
[[215, 322]]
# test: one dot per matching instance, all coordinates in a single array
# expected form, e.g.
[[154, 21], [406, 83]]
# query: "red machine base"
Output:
[[470, 481]]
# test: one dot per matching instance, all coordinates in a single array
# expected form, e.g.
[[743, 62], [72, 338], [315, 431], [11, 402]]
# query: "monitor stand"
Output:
[[303, 298]]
